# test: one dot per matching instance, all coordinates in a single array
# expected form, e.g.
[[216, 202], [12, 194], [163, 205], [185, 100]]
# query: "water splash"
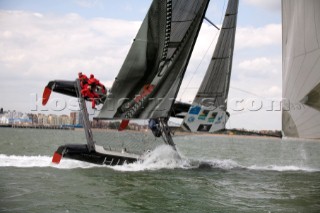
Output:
[[216, 164], [282, 168], [40, 161], [163, 157]]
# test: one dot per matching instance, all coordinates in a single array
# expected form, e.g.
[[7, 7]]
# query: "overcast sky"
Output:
[[55, 39]]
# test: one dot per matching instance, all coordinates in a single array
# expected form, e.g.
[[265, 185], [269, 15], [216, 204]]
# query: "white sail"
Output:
[[301, 68], [208, 110]]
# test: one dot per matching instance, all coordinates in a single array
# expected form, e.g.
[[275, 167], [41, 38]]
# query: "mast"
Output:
[[86, 121]]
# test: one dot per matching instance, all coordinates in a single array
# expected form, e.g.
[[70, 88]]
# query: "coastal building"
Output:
[[64, 120], [13, 117], [4, 120], [43, 119], [73, 118], [53, 120], [19, 118], [76, 118]]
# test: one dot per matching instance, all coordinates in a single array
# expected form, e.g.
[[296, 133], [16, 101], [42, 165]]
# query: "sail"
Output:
[[301, 65], [208, 110], [151, 75]]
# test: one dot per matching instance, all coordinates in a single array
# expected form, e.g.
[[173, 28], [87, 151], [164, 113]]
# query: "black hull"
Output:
[[80, 152]]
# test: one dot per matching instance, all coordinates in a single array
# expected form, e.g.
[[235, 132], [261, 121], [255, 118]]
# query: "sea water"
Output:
[[210, 174]]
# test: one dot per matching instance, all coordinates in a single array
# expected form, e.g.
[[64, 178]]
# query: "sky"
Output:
[[55, 39]]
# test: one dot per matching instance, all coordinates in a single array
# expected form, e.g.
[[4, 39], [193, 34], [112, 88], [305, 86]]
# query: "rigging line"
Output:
[[264, 98], [224, 5], [251, 93], [193, 74], [208, 20]]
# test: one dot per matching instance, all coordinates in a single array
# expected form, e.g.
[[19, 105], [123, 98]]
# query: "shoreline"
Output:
[[226, 135], [175, 134]]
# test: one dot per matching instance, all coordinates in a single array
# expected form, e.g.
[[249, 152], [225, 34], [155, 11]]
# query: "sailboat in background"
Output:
[[208, 111], [154, 69], [301, 65]]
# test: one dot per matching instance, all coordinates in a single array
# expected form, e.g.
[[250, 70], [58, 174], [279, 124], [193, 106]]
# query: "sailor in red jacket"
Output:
[[95, 84], [83, 80], [89, 94]]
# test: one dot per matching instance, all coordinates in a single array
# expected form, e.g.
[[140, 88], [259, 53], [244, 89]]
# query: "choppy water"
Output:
[[215, 174]]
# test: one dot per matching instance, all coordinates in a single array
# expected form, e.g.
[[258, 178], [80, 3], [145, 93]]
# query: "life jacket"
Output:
[[96, 85], [83, 80], [93, 82], [87, 93]]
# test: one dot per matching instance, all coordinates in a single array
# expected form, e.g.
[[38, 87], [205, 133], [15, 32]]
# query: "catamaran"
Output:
[[150, 78]]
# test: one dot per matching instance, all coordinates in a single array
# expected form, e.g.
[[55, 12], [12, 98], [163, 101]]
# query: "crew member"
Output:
[[95, 84], [83, 80], [89, 94], [154, 125]]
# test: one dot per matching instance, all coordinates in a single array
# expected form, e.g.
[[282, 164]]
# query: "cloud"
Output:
[[34, 46], [274, 5], [258, 77], [255, 64], [261, 67], [250, 37], [274, 91]]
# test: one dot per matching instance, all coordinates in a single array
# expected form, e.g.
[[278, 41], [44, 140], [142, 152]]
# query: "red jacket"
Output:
[[93, 82], [87, 93], [83, 80]]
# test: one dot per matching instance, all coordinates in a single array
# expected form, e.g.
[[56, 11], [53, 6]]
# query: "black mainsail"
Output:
[[208, 110], [151, 75]]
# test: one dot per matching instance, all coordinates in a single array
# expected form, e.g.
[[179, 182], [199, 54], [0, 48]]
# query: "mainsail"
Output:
[[301, 65], [208, 110], [151, 75]]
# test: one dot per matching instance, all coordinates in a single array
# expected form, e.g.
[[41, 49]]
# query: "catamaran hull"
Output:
[[81, 152]]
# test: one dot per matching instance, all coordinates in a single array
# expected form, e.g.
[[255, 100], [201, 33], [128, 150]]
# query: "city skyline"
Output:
[[16, 117]]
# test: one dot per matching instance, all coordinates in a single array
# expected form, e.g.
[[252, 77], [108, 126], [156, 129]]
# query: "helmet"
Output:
[[91, 76]]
